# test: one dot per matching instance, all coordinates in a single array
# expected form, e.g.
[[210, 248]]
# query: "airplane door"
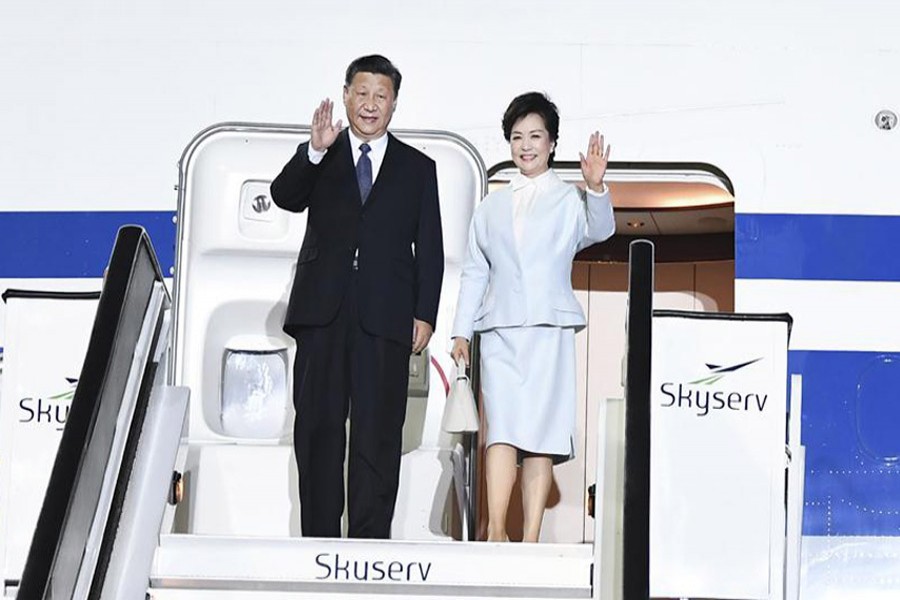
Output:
[[236, 253]]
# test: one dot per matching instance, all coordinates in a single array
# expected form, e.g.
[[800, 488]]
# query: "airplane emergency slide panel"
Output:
[[79, 523]]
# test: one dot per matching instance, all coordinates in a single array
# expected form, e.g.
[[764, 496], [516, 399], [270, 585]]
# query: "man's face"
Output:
[[370, 102]]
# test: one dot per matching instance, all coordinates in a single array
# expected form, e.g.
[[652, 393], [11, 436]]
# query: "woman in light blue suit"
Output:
[[516, 291]]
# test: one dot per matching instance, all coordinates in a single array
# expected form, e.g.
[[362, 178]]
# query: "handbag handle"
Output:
[[461, 369]]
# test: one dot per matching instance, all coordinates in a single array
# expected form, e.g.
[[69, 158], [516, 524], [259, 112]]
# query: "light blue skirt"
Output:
[[528, 384]]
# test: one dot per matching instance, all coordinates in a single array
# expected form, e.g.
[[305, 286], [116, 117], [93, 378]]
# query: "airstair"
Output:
[[107, 528]]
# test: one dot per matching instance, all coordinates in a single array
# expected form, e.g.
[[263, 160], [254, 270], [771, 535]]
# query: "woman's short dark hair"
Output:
[[374, 63], [534, 103]]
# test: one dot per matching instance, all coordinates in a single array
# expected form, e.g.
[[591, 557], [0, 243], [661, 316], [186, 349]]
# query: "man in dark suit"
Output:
[[365, 294]]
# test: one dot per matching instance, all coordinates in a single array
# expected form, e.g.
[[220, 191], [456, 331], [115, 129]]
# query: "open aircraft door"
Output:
[[236, 254], [236, 534]]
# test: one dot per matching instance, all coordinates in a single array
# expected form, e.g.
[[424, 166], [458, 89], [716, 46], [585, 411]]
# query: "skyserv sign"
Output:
[[393, 568], [46, 340], [717, 459]]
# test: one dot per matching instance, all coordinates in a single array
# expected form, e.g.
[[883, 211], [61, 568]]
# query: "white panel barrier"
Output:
[[718, 425], [46, 340]]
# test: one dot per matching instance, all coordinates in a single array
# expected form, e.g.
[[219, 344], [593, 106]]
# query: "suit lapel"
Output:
[[344, 169]]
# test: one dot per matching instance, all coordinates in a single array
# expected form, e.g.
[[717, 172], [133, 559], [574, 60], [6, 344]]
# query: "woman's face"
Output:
[[530, 145]]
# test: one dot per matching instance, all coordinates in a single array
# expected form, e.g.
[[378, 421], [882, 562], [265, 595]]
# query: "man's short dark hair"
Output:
[[374, 63], [532, 103]]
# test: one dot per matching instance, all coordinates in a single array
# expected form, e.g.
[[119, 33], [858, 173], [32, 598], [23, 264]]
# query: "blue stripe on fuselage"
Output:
[[817, 247], [75, 244]]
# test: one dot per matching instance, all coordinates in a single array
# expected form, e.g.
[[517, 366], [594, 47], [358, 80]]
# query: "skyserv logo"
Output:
[[52, 410], [334, 567], [696, 395]]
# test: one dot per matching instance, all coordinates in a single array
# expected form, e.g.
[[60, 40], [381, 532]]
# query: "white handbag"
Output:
[[460, 411]]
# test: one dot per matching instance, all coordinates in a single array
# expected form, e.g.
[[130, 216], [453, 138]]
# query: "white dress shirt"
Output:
[[376, 154], [524, 190]]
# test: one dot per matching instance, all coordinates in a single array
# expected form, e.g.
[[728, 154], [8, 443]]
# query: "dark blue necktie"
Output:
[[364, 172]]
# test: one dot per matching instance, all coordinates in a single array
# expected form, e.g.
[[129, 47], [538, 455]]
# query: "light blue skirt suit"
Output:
[[516, 291]]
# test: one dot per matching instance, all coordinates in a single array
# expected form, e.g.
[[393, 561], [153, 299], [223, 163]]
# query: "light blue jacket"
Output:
[[501, 288]]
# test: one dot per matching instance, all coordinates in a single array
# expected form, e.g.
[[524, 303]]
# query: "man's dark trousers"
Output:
[[354, 328], [375, 394]]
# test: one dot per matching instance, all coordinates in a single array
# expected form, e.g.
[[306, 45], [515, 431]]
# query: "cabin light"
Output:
[[635, 224]]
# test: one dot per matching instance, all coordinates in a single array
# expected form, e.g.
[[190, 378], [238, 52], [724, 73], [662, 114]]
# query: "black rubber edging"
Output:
[[636, 509]]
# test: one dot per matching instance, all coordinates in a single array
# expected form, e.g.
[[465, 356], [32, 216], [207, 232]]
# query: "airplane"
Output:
[[784, 114]]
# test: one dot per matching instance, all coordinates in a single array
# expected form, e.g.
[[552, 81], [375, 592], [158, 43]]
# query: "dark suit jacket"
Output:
[[397, 232]]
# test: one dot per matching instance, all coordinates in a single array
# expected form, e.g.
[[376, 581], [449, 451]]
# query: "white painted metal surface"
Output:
[[868, 320], [149, 488], [342, 567]]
